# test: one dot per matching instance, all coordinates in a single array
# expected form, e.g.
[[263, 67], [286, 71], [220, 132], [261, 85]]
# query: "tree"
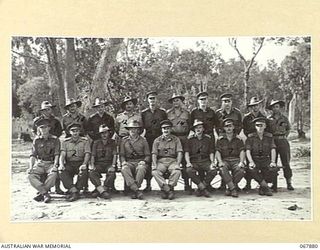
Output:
[[69, 81], [247, 64]]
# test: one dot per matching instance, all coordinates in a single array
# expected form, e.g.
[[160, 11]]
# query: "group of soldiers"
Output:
[[165, 145]]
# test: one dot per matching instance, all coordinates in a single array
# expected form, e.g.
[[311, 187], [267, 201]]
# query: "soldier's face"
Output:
[[276, 108], [255, 108], [44, 129], [226, 103], [134, 131], [75, 132], [176, 102], [260, 126], [101, 108], [203, 101], [199, 129], [73, 108], [152, 100], [166, 131], [47, 111], [229, 128], [129, 106], [105, 135]]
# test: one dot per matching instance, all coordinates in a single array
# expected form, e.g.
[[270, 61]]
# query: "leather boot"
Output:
[[289, 184]]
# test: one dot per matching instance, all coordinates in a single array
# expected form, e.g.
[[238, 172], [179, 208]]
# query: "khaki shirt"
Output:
[[122, 121], [208, 117], [260, 148], [45, 149], [133, 149], [199, 149], [279, 126], [104, 150], [68, 119], [167, 147], [234, 114], [180, 121], [151, 121], [229, 149], [75, 150]]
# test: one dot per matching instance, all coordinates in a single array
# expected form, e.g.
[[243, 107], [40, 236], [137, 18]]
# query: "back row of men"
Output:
[[168, 134]]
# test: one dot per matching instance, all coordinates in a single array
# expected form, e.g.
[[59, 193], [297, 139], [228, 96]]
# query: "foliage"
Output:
[[303, 152]]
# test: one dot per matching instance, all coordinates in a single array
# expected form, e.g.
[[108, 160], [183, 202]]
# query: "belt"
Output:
[[138, 157], [279, 137], [46, 159], [160, 157], [43, 161], [260, 157]]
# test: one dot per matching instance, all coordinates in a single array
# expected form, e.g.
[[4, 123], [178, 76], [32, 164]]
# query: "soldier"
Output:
[[280, 128], [129, 114], [199, 154], [166, 157], [207, 116], [103, 160], [151, 118], [74, 159], [99, 118], [248, 127], [230, 155], [73, 116], [44, 160], [228, 111], [180, 119], [135, 157], [261, 154], [47, 112], [55, 129]]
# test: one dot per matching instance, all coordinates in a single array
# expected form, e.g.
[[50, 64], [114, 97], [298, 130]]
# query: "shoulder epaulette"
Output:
[[219, 110], [67, 139], [92, 115], [268, 134], [162, 109], [169, 110], [251, 134], [144, 110], [83, 138], [236, 109], [220, 137], [53, 136], [208, 136]]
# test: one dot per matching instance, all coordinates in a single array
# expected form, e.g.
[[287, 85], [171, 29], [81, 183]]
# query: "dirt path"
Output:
[[249, 206]]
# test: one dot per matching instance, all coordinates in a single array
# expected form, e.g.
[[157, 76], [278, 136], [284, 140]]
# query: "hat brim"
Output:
[[277, 102], [79, 103], [52, 106], [133, 100], [176, 97], [255, 103]]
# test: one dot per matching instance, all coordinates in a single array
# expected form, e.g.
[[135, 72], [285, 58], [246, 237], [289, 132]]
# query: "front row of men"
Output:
[[203, 160]]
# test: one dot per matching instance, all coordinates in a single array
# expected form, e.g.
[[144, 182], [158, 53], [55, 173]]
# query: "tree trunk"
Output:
[[301, 133], [292, 105], [103, 71], [246, 87], [69, 82]]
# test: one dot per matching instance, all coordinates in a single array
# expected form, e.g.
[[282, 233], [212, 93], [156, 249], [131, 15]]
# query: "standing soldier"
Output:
[[166, 157], [73, 116], [55, 129], [180, 119], [103, 160], [47, 113], [44, 160], [230, 156], [248, 127], [135, 157], [280, 128], [228, 111], [151, 118], [207, 116], [99, 118], [74, 159], [261, 155], [129, 114], [199, 154]]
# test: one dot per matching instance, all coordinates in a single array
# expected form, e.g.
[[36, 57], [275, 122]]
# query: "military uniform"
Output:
[[68, 119], [151, 123], [199, 152], [75, 153], [103, 152], [95, 121], [136, 153], [248, 125], [230, 154], [208, 117], [44, 150], [122, 121], [166, 150], [55, 125], [261, 155], [234, 114], [280, 128]]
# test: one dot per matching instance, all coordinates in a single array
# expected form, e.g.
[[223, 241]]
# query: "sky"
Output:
[[269, 50]]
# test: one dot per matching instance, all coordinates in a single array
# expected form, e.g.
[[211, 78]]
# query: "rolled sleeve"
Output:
[[57, 147], [87, 147], [248, 145], [179, 146], [155, 147]]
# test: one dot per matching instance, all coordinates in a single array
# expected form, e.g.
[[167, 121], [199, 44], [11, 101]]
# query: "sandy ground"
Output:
[[249, 206]]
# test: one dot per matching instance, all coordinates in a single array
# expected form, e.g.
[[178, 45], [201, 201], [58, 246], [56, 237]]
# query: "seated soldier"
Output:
[[44, 160], [199, 154], [166, 157], [261, 154], [74, 159], [135, 157], [103, 160], [230, 156]]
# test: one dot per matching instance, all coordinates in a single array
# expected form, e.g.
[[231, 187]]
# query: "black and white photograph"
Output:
[[160, 128]]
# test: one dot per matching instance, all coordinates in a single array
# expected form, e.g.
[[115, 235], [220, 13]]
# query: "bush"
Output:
[[303, 152]]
